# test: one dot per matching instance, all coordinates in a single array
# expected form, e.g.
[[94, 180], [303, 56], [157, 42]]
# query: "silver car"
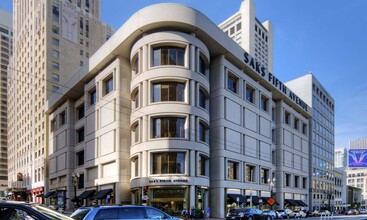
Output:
[[124, 212]]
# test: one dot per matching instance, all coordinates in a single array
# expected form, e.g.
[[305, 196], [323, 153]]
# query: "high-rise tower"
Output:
[[252, 35], [52, 39]]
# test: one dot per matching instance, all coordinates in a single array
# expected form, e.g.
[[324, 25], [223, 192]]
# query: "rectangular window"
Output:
[[55, 66], [273, 114], [232, 170], [81, 25], [55, 42], [62, 118], [202, 132], [55, 53], [264, 103], [202, 99], [87, 5], [136, 100], [135, 162], [168, 92], [93, 97], [81, 181], [287, 117], [55, 77], [287, 180], [296, 181], [296, 123], [264, 175], [201, 65], [135, 134], [55, 88], [55, 30], [232, 83], [55, 12], [53, 125], [168, 163], [80, 112], [108, 85], [168, 127], [81, 52], [250, 94], [250, 173], [168, 56], [79, 3], [87, 28], [273, 135], [202, 165], [80, 134], [273, 157], [304, 128], [80, 158]]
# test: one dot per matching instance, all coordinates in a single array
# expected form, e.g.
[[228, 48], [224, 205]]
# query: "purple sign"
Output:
[[357, 158]]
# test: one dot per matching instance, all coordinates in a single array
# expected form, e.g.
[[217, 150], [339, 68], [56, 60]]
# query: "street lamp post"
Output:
[[271, 185], [75, 181]]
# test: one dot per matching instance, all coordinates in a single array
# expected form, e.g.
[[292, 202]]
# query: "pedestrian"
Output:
[[208, 212]]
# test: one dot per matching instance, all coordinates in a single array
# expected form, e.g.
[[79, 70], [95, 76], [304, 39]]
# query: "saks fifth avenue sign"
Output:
[[264, 73], [163, 181]]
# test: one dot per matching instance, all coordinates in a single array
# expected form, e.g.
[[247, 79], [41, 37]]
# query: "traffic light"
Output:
[[145, 191]]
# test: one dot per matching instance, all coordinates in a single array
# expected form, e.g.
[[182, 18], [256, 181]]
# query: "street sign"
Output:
[[270, 201], [144, 198]]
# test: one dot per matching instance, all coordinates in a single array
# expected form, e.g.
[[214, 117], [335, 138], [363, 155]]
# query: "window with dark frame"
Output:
[[80, 112], [108, 85], [168, 56], [62, 118], [80, 134], [93, 97], [168, 163], [232, 83], [232, 170], [80, 158], [250, 94], [264, 103], [166, 127], [168, 92]]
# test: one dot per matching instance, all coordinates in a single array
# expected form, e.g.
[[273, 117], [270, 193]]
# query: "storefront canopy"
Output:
[[233, 198], [291, 202], [87, 194], [40, 195], [301, 203], [102, 194], [255, 200], [49, 194]]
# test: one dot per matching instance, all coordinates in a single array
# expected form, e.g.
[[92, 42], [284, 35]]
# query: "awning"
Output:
[[40, 195], [301, 203], [265, 200], [233, 198], [291, 202], [49, 194], [255, 200], [102, 193], [87, 194]]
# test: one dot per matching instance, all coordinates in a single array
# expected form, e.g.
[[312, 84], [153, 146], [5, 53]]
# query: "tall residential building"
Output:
[[52, 39], [171, 113], [252, 35], [322, 146], [6, 41], [341, 158]]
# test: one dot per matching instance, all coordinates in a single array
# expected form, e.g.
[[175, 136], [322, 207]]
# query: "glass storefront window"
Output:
[[168, 163], [171, 200]]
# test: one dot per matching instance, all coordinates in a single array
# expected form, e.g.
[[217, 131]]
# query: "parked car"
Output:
[[362, 211], [16, 210], [274, 214], [290, 213], [352, 212], [120, 212], [247, 214], [300, 214], [282, 213]]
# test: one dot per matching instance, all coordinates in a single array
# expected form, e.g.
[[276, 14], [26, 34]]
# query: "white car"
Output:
[[362, 211], [300, 214]]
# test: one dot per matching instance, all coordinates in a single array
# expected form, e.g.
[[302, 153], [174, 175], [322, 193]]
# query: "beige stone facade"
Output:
[[52, 39]]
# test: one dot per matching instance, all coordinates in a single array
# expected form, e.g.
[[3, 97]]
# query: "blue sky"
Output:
[[325, 37]]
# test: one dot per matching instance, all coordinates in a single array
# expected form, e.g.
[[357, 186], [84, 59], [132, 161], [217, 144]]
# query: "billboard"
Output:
[[357, 158]]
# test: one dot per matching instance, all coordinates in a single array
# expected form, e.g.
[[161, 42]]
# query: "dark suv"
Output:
[[120, 212]]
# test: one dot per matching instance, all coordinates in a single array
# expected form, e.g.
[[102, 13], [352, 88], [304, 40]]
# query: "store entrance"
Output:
[[171, 200]]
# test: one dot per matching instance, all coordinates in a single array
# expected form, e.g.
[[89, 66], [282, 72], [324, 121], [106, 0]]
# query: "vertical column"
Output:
[[144, 94], [145, 129], [192, 197], [144, 163], [192, 58], [144, 58]]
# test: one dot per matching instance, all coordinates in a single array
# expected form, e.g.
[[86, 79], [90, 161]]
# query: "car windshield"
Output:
[[79, 214], [50, 213]]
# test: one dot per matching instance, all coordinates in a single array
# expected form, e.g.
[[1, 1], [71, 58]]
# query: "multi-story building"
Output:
[[253, 36], [340, 196], [172, 113], [6, 41], [357, 175], [341, 158], [52, 39], [322, 146]]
